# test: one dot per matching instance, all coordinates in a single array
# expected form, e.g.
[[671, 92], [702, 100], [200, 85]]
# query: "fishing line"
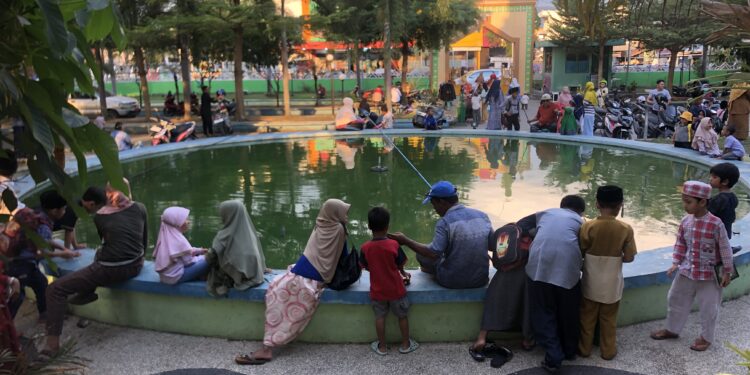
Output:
[[391, 143]]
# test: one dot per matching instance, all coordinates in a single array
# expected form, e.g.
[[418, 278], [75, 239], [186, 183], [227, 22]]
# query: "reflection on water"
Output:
[[284, 184]]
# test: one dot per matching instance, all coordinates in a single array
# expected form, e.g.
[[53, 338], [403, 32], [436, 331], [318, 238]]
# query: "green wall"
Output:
[[259, 86], [648, 79]]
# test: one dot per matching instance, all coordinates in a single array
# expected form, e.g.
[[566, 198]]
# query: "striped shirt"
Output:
[[588, 109], [701, 244]]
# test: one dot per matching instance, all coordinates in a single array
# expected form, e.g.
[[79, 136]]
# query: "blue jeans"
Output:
[[194, 271]]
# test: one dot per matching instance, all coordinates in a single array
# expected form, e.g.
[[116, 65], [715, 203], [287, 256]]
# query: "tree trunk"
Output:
[[239, 94], [101, 91], [404, 61], [431, 71], [356, 65], [113, 76], [185, 71], [387, 53], [600, 71], [285, 65], [143, 76], [704, 61], [672, 64]]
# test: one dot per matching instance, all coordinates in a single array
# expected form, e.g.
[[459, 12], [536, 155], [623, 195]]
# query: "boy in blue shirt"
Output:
[[733, 149], [723, 205], [429, 121]]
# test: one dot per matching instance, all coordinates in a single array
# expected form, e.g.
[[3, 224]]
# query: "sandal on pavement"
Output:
[[700, 344], [413, 345], [375, 346], [249, 359], [476, 354], [663, 334]]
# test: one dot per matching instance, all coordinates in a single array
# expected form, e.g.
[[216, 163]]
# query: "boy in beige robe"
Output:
[[605, 244]]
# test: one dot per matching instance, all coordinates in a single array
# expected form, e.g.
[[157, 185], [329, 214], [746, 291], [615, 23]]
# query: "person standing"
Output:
[[208, 121], [512, 110], [701, 246], [606, 244], [494, 100], [554, 272], [601, 93]]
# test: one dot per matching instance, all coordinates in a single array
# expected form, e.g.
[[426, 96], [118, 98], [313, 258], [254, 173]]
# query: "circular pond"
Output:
[[284, 183]]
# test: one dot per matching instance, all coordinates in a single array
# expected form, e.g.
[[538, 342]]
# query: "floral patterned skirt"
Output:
[[291, 301]]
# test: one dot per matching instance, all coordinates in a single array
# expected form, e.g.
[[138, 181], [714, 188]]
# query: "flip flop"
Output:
[[249, 359], [663, 334], [700, 345], [476, 355], [413, 345], [375, 348]]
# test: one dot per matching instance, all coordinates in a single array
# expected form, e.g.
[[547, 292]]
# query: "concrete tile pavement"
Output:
[[117, 350]]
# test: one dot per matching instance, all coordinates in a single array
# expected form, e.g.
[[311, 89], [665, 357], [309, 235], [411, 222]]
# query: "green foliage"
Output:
[[744, 353], [584, 23], [670, 24], [44, 56]]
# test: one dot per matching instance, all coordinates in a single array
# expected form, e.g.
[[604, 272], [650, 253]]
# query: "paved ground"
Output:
[[116, 350]]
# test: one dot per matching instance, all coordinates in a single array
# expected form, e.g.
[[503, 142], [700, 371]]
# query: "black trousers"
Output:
[[555, 319], [208, 124], [512, 122]]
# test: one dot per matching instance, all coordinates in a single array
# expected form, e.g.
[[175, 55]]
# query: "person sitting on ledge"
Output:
[[175, 259], [293, 297], [236, 258], [456, 264], [123, 228], [346, 119]]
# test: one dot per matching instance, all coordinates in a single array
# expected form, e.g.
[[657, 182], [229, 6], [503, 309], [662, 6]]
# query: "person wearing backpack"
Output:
[[506, 303], [606, 243]]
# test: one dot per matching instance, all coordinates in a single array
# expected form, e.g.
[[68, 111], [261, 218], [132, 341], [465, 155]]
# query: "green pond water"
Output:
[[284, 184]]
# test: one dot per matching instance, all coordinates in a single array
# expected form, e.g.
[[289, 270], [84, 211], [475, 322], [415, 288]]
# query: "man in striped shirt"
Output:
[[702, 243]]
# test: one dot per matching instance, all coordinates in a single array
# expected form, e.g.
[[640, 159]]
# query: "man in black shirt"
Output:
[[208, 121], [68, 224], [122, 226]]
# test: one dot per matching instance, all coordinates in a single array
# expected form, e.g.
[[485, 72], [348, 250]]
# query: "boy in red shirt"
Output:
[[385, 260]]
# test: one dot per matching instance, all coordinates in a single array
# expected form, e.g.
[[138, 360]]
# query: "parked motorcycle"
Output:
[[165, 131], [178, 109], [222, 124]]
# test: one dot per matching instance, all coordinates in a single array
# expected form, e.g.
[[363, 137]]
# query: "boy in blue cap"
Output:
[[455, 264]]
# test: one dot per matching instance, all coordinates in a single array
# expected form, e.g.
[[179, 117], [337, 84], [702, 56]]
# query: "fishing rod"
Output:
[[390, 142]]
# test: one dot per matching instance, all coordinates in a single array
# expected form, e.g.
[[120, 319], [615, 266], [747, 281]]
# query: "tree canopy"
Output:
[[45, 56]]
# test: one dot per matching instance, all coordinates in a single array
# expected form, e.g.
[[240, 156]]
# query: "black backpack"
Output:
[[509, 247], [348, 270]]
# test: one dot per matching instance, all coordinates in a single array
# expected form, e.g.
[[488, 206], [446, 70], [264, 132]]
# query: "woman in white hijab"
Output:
[[346, 119], [292, 298]]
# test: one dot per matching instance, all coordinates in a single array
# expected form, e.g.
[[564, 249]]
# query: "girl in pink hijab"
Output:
[[565, 97], [175, 259]]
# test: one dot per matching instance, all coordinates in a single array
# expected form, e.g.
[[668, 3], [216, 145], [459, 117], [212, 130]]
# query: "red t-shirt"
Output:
[[383, 257]]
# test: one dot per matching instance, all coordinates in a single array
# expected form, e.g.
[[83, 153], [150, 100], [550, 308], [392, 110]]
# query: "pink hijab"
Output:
[[171, 243]]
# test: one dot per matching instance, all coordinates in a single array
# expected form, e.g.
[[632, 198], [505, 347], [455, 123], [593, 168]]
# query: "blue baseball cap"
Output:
[[440, 189]]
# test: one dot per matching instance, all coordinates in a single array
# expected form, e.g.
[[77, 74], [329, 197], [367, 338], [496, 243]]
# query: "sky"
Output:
[[544, 4]]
